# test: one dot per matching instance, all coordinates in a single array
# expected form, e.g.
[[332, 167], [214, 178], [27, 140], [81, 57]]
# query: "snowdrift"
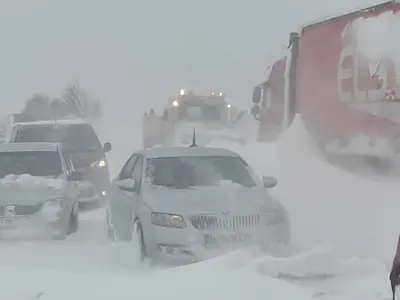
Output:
[[202, 281], [328, 206]]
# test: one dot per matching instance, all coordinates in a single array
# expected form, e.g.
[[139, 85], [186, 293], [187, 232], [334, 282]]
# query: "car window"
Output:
[[191, 171], [127, 169], [35, 163], [137, 173], [137, 170], [74, 137]]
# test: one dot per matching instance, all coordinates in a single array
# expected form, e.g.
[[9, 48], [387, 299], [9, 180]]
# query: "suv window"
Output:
[[35, 163], [73, 137]]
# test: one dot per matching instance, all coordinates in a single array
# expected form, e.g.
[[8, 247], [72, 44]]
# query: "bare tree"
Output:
[[79, 102], [75, 101], [38, 104]]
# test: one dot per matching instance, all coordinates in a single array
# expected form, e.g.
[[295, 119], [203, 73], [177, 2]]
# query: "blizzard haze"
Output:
[[137, 53], [133, 55]]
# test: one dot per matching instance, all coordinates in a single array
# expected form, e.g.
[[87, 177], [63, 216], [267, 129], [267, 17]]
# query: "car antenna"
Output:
[[194, 138]]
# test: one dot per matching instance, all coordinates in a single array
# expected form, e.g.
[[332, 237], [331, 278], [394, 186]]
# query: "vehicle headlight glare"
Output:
[[167, 220], [100, 164]]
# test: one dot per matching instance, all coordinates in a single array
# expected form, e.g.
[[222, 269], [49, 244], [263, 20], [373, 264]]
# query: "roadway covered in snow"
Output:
[[345, 229]]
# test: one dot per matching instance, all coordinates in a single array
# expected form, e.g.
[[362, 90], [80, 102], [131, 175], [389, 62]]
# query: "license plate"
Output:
[[224, 239], [5, 222]]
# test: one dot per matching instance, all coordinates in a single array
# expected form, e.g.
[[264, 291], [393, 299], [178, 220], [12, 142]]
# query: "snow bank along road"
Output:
[[344, 234]]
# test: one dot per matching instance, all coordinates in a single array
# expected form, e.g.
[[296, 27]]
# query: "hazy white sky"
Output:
[[133, 54]]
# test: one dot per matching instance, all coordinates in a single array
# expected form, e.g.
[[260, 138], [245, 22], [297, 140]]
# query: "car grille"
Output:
[[233, 223], [22, 210]]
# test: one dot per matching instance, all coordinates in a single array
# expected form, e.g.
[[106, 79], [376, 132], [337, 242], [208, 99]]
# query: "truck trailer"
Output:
[[339, 76]]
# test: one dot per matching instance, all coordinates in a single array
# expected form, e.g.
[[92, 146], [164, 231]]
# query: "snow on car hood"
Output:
[[28, 190], [198, 200]]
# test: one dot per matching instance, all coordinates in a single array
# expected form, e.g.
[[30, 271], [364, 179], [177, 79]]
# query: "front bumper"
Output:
[[43, 220], [188, 245], [98, 177]]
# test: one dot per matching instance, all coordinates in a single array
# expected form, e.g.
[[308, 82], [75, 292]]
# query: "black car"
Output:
[[80, 141]]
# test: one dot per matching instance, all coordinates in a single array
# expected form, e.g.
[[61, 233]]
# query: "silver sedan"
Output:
[[185, 204]]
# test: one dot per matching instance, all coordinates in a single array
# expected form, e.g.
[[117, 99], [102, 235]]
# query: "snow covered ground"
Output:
[[345, 229]]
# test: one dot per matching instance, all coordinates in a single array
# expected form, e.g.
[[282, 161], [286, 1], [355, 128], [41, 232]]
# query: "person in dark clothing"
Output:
[[395, 272]]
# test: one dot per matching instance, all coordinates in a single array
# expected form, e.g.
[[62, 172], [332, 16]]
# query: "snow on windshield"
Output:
[[185, 172], [35, 163], [74, 137]]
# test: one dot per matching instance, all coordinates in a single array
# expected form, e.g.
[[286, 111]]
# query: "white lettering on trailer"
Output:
[[352, 72]]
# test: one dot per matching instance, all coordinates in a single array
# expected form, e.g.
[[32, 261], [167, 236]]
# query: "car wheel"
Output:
[[73, 222], [138, 241], [110, 229], [110, 233]]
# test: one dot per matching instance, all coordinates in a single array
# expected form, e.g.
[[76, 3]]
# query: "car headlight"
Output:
[[277, 215], [167, 220], [53, 206], [100, 164]]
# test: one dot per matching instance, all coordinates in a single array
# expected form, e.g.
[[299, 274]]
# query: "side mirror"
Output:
[[127, 184], [75, 176], [269, 181], [257, 94], [107, 147]]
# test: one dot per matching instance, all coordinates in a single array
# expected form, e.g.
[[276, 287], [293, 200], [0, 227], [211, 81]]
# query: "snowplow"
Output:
[[211, 116], [342, 77]]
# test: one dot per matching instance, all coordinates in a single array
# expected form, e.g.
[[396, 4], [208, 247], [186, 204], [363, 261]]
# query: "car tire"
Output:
[[73, 222], [110, 233], [110, 229], [138, 241]]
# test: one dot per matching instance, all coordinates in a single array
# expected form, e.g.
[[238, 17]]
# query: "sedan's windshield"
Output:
[[74, 137], [185, 172], [35, 163]]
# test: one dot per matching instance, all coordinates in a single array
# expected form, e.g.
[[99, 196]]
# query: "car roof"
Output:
[[53, 122], [186, 151], [28, 147]]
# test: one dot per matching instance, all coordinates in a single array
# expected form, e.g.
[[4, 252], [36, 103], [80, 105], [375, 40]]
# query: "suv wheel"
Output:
[[73, 222], [110, 229]]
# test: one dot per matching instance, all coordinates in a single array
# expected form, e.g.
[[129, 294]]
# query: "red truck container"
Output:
[[348, 99]]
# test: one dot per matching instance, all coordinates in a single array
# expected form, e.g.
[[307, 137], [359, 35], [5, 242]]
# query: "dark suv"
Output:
[[79, 140]]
